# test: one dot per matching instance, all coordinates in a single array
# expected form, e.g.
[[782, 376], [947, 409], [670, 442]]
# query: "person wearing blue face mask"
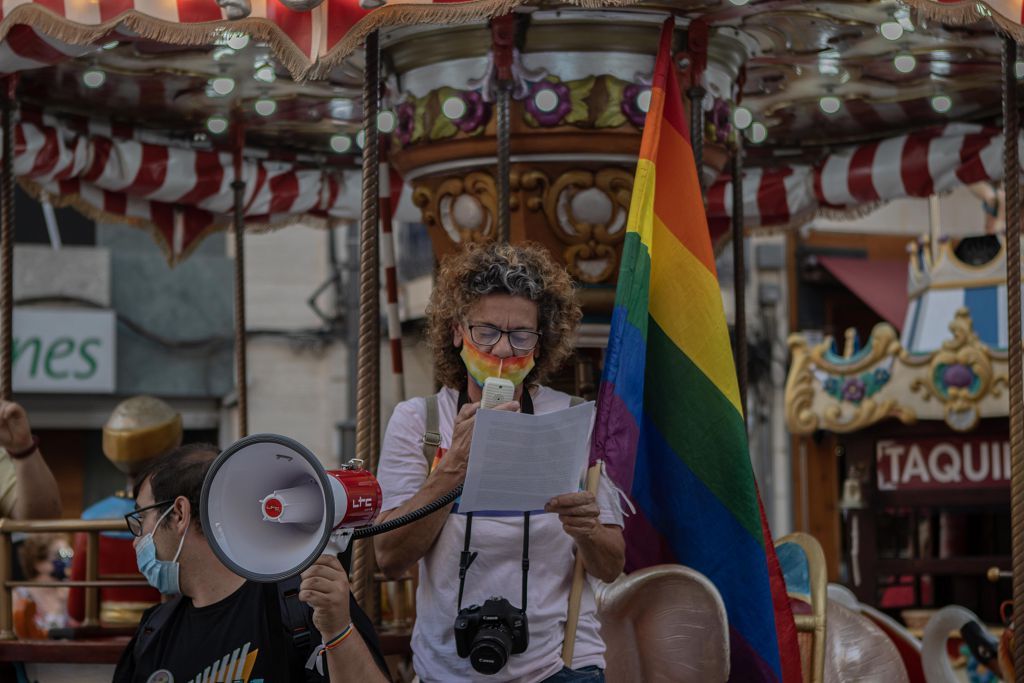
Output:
[[214, 624]]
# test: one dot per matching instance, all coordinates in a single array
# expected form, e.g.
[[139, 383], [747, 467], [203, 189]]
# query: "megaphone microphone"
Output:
[[269, 508]]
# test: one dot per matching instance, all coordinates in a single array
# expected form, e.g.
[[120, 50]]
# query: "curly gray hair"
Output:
[[525, 270]]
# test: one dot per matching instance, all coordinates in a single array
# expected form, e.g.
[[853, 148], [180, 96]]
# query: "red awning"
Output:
[[882, 285]]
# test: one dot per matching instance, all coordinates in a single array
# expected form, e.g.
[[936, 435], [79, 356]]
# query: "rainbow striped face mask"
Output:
[[480, 365]]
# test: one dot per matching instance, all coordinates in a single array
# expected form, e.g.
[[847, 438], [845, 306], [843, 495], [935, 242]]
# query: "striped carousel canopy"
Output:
[[853, 179]]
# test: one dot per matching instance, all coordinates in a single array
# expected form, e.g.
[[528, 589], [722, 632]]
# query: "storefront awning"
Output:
[[881, 284]]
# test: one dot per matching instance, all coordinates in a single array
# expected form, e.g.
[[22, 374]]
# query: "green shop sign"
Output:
[[64, 350]]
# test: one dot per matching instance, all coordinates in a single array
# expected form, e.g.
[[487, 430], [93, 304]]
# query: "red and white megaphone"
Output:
[[269, 509]]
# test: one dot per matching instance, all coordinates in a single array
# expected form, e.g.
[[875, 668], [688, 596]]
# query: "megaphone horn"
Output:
[[269, 508]]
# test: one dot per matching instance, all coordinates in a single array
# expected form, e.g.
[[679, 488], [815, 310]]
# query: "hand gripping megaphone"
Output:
[[269, 508]]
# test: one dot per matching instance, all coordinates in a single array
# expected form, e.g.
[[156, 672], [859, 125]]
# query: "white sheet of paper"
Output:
[[519, 462]]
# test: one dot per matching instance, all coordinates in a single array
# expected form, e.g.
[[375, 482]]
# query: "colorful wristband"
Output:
[[315, 661], [338, 639]]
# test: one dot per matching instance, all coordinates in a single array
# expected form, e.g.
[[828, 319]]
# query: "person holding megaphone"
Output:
[[507, 313], [217, 625]]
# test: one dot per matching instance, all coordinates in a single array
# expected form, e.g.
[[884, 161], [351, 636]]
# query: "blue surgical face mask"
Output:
[[161, 574]]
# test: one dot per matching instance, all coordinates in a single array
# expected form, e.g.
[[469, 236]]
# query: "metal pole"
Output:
[[739, 279], [368, 400], [1011, 175], [503, 40], [504, 160], [696, 94], [935, 226], [238, 228], [7, 238], [92, 573]]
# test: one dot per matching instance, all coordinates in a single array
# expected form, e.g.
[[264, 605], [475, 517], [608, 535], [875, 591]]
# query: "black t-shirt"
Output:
[[233, 636]]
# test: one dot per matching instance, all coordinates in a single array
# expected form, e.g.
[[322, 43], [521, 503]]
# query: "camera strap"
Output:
[[466, 557]]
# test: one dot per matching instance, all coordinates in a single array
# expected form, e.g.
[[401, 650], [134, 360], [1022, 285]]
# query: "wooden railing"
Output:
[[92, 583], [98, 646]]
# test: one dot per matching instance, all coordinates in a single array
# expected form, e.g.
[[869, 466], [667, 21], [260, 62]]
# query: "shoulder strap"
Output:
[[296, 620], [432, 431], [153, 622], [576, 400]]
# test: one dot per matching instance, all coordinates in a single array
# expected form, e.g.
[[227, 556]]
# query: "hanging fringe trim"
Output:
[[413, 14], [799, 220], [217, 223], [603, 4], [94, 213], [967, 12], [300, 65], [191, 35]]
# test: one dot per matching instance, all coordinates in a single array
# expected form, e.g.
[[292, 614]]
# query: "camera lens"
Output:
[[490, 650]]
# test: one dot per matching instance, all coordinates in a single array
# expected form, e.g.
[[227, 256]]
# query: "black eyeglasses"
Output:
[[488, 335], [134, 518]]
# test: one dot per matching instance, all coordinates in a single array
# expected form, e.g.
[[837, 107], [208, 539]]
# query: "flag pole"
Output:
[[576, 592]]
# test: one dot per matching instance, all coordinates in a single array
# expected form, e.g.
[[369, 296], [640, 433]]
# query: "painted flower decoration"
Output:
[[957, 375], [631, 105], [406, 122], [476, 111], [854, 390], [832, 386], [881, 376], [720, 120], [548, 102]]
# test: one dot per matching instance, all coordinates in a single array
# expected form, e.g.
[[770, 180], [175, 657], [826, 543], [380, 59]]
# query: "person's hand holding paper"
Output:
[[453, 464], [520, 462]]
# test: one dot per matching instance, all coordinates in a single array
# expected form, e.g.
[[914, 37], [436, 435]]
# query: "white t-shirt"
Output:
[[497, 570]]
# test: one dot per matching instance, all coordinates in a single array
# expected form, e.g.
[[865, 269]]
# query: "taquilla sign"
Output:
[[64, 350], [954, 462]]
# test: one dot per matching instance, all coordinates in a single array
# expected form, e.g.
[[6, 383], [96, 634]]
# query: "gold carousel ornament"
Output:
[[941, 369], [575, 126]]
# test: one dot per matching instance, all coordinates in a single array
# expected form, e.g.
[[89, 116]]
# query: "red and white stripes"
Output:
[[299, 39], [917, 164], [182, 193], [24, 48], [387, 258]]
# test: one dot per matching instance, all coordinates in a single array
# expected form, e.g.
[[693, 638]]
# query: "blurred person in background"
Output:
[[43, 557]]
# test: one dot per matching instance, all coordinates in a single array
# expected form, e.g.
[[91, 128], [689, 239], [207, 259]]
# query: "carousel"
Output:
[[505, 120]]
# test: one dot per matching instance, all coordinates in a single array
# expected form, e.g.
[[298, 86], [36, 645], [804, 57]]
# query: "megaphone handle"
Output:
[[339, 542]]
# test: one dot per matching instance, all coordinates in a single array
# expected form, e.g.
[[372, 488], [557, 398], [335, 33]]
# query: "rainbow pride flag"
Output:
[[670, 424]]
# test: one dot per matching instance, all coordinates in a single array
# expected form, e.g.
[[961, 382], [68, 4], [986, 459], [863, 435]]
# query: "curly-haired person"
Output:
[[509, 311]]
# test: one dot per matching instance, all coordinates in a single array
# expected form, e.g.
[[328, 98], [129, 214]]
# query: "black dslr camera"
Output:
[[488, 635]]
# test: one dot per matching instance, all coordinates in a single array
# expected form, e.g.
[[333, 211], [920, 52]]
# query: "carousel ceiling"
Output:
[[816, 73], [196, 93], [804, 80]]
